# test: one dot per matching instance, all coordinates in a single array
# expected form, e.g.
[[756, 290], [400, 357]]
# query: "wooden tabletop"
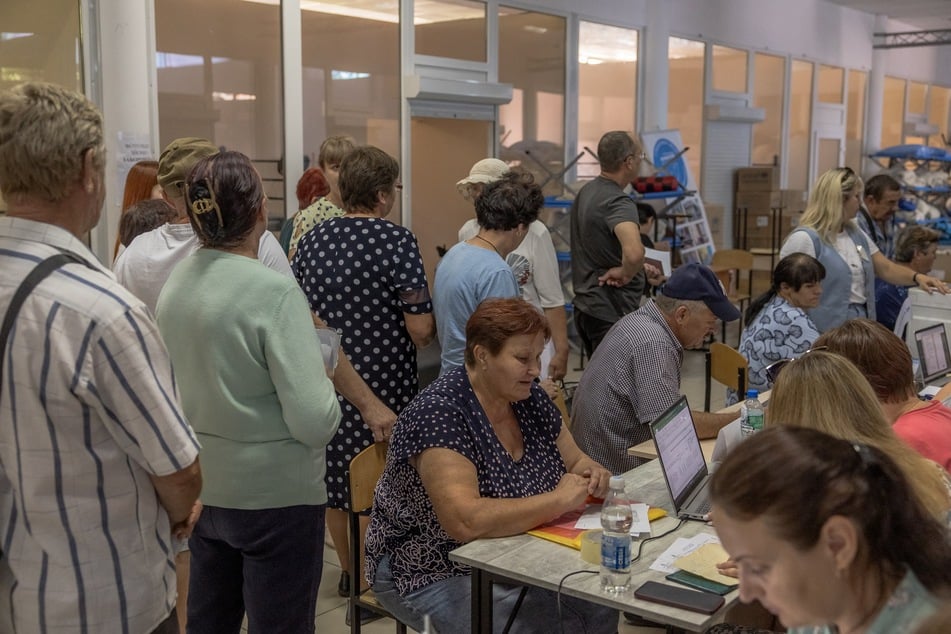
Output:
[[537, 562]]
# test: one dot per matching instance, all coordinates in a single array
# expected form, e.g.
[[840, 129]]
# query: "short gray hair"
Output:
[[45, 132], [668, 305]]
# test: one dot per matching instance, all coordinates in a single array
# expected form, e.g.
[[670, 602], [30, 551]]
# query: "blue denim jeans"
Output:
[[449, 606], [267, 562]]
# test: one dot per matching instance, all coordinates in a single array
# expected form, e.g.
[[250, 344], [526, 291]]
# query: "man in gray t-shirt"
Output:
[[606, 249]]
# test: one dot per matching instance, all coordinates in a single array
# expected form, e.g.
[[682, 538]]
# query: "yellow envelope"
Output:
[[703, 562]]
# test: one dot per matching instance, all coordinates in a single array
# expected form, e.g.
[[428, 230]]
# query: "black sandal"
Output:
[[343, 586]]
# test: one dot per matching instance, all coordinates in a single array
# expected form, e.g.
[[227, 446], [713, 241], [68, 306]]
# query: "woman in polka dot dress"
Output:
[[364, 276], [481, 452]]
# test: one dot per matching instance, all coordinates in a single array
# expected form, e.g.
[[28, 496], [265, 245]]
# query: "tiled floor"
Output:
[[331, 609]]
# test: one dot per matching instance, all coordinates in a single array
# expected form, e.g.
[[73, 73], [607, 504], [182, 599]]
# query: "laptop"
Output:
[[681, 460], [933, 355]]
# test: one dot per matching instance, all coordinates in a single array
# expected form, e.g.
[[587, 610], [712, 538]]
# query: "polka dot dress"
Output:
[[361, 275], [447, 414]]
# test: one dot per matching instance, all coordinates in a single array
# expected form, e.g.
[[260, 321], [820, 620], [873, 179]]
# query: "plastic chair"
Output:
[[738, 262], [365, 470], [726, 366]]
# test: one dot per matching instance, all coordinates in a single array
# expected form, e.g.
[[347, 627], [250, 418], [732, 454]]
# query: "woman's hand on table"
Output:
[[931, 284], [598, 480], [573, 489], [728, 568]]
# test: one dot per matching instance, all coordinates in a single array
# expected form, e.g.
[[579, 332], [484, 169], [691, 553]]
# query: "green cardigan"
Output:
[[251, 379]]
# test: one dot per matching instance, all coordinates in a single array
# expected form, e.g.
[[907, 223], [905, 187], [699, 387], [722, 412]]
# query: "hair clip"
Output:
[[205, 205], [864, 454]]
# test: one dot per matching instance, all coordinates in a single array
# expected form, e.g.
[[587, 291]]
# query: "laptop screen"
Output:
[[933, 353], [679, 450]]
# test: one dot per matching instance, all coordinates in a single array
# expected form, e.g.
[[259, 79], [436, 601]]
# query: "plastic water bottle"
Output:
[[616, 521], [751, 416]]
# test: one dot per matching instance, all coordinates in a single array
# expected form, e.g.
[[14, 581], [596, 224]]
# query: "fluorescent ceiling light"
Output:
[[600, 43], [426, 11], [232, 96], [13, 36]]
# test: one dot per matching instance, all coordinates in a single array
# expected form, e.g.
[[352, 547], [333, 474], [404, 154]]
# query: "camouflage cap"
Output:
[[179, 157]]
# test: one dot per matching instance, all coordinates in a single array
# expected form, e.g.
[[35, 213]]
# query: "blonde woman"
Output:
[[852, 261], [826, 391], [332, 152]]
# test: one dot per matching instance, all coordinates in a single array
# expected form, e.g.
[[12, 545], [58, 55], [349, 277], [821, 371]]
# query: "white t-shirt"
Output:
[[540, 283], [801, 242], [144, 266]]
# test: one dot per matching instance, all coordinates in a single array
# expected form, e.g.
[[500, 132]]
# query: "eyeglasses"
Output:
[[773, 369], [847, 173], [640, 156]]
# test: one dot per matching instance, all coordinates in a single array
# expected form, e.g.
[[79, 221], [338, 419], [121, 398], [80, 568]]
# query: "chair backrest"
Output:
[[726, 366], [732, 259], [725, 363], [562, 406], [735, 259], [365, 471]]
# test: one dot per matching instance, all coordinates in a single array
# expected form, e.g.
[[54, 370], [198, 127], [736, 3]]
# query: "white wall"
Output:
[[931, 64], [813, 29]]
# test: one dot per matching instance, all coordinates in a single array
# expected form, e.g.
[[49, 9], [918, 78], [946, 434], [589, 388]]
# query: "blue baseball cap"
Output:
[[697, 282]]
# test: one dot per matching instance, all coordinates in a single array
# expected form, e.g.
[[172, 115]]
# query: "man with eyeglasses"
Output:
[[606, 249]]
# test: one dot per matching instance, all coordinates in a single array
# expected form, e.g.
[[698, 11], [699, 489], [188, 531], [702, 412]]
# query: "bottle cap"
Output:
[[617, 482], [752, 393]]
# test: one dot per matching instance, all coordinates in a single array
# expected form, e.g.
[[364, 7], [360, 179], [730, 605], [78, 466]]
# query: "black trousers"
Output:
[[592, 331]]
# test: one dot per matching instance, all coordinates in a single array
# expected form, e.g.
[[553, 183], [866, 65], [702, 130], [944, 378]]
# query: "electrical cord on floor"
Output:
[[640, 548]]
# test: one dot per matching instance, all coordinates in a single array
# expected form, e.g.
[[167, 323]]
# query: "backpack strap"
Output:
[[37, 275]]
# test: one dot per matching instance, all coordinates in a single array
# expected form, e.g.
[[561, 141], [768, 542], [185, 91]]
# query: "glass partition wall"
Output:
[[685, 98], [800, 124], [769, 91], [40, 41], [532, 126], [607, 87]]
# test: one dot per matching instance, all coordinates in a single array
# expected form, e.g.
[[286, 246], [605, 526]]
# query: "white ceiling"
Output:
[[922, 14]]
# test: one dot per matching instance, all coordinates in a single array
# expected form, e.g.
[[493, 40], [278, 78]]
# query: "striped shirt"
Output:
[[88, 411], [633, 376]]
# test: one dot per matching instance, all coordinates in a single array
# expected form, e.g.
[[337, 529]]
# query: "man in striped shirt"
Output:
[[99, 471], [634, 375]]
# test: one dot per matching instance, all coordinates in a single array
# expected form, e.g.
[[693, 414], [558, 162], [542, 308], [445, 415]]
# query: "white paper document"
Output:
[[591, 518], [681, 547]]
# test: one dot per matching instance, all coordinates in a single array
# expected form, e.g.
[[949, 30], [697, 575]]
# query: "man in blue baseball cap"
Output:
[[634, 375]]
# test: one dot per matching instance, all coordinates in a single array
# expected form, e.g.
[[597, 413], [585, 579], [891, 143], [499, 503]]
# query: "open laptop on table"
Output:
[[933, 356], [682, 461]]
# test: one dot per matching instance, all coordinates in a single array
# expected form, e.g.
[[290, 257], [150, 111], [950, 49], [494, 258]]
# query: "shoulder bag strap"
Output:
[[42, 270]]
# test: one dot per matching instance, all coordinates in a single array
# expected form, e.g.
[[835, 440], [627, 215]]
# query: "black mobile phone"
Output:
[[703, 602]]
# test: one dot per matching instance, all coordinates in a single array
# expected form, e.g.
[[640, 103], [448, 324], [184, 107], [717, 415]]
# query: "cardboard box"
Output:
[[760, 228], [715, 218], [757, 179], [794, 200], [758, 202], [942, 264]]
